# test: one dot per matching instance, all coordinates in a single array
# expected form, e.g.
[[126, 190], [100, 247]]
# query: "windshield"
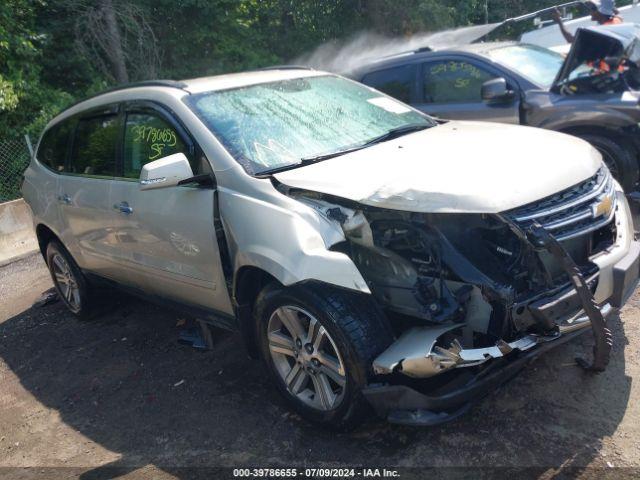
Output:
[[537, 64], [274, 125]]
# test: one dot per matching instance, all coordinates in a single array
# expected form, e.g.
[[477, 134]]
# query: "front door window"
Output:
[[148, 138], [453, 81]]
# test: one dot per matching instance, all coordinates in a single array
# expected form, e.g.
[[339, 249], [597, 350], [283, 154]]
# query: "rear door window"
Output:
[[94, 146], [147, 138], [396, 82], [454, 81], [52, 151]]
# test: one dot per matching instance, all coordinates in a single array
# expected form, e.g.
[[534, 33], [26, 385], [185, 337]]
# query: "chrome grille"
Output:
[[579, 210]]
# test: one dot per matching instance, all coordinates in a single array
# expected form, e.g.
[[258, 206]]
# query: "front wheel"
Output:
[[319, 344], [619, 156]]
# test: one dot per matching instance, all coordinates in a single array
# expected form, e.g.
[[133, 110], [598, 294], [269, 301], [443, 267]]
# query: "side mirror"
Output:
[[496, 91], [165, 172]]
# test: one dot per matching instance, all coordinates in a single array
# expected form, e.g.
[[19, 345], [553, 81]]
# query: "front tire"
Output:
[[319, 344], [619, 157]]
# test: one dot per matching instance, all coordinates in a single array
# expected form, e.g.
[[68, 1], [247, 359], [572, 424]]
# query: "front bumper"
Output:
[[405, 405], [625, 276]]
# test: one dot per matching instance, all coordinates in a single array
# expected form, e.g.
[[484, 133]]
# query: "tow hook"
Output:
[[540, 237]]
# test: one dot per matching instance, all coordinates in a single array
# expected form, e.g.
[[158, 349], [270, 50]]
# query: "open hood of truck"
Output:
[[616, 43], [457, 167]]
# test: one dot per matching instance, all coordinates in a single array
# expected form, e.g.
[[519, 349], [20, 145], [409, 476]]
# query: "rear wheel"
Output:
[[619, 156], [70, 283], [319, 345]]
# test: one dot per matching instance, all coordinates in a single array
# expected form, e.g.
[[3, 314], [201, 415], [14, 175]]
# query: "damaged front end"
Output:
[[473, 296], [603, 59]]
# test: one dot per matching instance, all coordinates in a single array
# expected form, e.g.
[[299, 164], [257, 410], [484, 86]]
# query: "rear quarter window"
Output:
[[94, 146], [396, 82], [52, 151]]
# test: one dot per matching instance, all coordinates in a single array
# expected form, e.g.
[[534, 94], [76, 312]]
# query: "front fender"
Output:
[[288, 240], [553, 111], [608, 119]]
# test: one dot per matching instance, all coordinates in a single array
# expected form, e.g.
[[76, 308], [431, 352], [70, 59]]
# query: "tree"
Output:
[[111, 39], [56, 51], [17, 52], [24, 100], [117, 39]]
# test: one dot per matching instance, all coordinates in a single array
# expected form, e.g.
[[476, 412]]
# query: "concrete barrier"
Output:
[[17, 237]]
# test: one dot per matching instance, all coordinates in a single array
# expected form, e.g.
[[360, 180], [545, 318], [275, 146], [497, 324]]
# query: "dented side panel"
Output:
[[286, 239]]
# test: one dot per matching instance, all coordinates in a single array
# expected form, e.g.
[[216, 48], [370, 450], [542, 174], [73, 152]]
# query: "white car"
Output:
[[371, 255]]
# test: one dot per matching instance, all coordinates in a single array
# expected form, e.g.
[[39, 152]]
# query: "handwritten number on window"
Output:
[[466, 72], [156, 138]]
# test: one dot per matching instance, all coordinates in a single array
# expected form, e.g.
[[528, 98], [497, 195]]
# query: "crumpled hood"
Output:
[[458, 167]]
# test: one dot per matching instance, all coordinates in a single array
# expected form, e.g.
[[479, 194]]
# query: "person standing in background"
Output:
[[604, 12]]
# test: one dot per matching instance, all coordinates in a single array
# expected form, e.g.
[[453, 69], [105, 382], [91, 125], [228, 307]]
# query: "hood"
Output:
[[613, 42], [457, 167]]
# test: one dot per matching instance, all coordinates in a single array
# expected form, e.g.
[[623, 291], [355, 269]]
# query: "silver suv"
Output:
[[371, 255]]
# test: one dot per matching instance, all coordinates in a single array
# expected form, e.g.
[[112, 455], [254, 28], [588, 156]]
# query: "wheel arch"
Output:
[[570, 118], [45, 235], [591, 129], [248, 282], [629, 164]]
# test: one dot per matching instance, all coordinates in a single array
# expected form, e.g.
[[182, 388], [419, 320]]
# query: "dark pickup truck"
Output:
[[593, 93]]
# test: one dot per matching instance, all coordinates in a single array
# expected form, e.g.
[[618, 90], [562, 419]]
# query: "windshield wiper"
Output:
[[396, 133], [311, 160], [390, 135]]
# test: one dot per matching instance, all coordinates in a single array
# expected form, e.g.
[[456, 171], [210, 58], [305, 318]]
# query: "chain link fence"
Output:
[[14, 159]]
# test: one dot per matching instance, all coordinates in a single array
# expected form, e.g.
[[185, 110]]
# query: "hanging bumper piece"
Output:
[[540, 237], [416, 354], [419, 352]]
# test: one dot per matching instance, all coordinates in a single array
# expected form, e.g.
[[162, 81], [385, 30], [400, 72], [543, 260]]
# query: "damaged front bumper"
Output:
[[417, 354], [404, 405]]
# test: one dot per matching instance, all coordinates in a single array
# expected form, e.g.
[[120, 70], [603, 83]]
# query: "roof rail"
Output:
[[150, 83], [401, 54], [286, 67], [124, 86]]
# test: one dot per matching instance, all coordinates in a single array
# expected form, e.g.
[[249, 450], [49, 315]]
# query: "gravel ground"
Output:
[[120, 395]]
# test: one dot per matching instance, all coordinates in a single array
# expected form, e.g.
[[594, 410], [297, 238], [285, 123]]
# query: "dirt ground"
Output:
[[120, 396]]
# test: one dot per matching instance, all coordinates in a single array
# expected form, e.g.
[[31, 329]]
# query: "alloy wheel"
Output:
[[66, 282], [610, 162], [306, 358]]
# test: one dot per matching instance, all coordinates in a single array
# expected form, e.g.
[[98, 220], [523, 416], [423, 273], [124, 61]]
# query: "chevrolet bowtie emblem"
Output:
[[603, 207]]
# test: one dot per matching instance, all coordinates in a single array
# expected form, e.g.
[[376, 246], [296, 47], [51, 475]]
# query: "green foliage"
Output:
[[8, 96], [42, 70], [18, 54]]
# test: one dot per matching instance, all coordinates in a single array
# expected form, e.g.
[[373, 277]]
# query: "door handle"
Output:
[[123, 207], [66, 199]]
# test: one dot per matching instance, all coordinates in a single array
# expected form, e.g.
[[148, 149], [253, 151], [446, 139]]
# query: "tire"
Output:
[[619, 156], [71, 285], [325, 383]]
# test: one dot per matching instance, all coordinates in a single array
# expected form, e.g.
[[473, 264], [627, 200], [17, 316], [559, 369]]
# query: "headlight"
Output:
[[384, 267]]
